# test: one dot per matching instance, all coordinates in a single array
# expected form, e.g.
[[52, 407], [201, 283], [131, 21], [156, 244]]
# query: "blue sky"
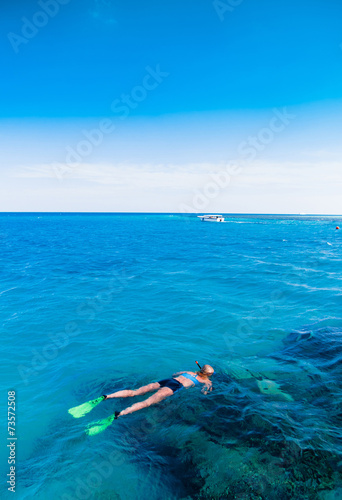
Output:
[[182, 86]]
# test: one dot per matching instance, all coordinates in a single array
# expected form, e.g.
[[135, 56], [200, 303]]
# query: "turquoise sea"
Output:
[[92, 303]]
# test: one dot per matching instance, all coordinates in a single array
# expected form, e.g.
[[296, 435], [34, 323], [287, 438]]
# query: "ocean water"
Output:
[[92, 303]]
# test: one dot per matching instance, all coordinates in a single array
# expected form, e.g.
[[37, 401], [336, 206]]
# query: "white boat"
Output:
[[211, 218]]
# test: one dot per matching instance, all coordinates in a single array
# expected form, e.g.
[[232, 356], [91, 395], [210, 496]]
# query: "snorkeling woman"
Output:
[[165, 388]]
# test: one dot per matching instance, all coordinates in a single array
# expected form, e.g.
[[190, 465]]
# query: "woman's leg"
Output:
[[138, 392], [152, 400]]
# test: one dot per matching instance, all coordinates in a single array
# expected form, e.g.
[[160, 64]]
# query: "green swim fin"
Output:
[[99, 426], [80, 411]]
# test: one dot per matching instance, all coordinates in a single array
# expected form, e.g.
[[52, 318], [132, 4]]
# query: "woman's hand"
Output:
[[207, 388]]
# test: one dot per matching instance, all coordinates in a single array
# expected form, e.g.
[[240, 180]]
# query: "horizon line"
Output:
[[172, 213]]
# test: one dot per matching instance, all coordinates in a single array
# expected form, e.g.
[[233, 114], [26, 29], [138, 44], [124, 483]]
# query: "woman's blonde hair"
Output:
[[206, 371]]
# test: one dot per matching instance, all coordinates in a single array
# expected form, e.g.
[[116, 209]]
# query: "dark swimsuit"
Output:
[[174, 385], [171, 383]]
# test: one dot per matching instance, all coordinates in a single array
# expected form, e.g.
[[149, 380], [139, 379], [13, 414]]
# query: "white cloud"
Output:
[[159, 164], [262, 186], [143, 175]]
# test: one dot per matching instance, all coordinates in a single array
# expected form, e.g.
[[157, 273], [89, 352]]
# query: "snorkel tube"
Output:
[[197, 363]]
